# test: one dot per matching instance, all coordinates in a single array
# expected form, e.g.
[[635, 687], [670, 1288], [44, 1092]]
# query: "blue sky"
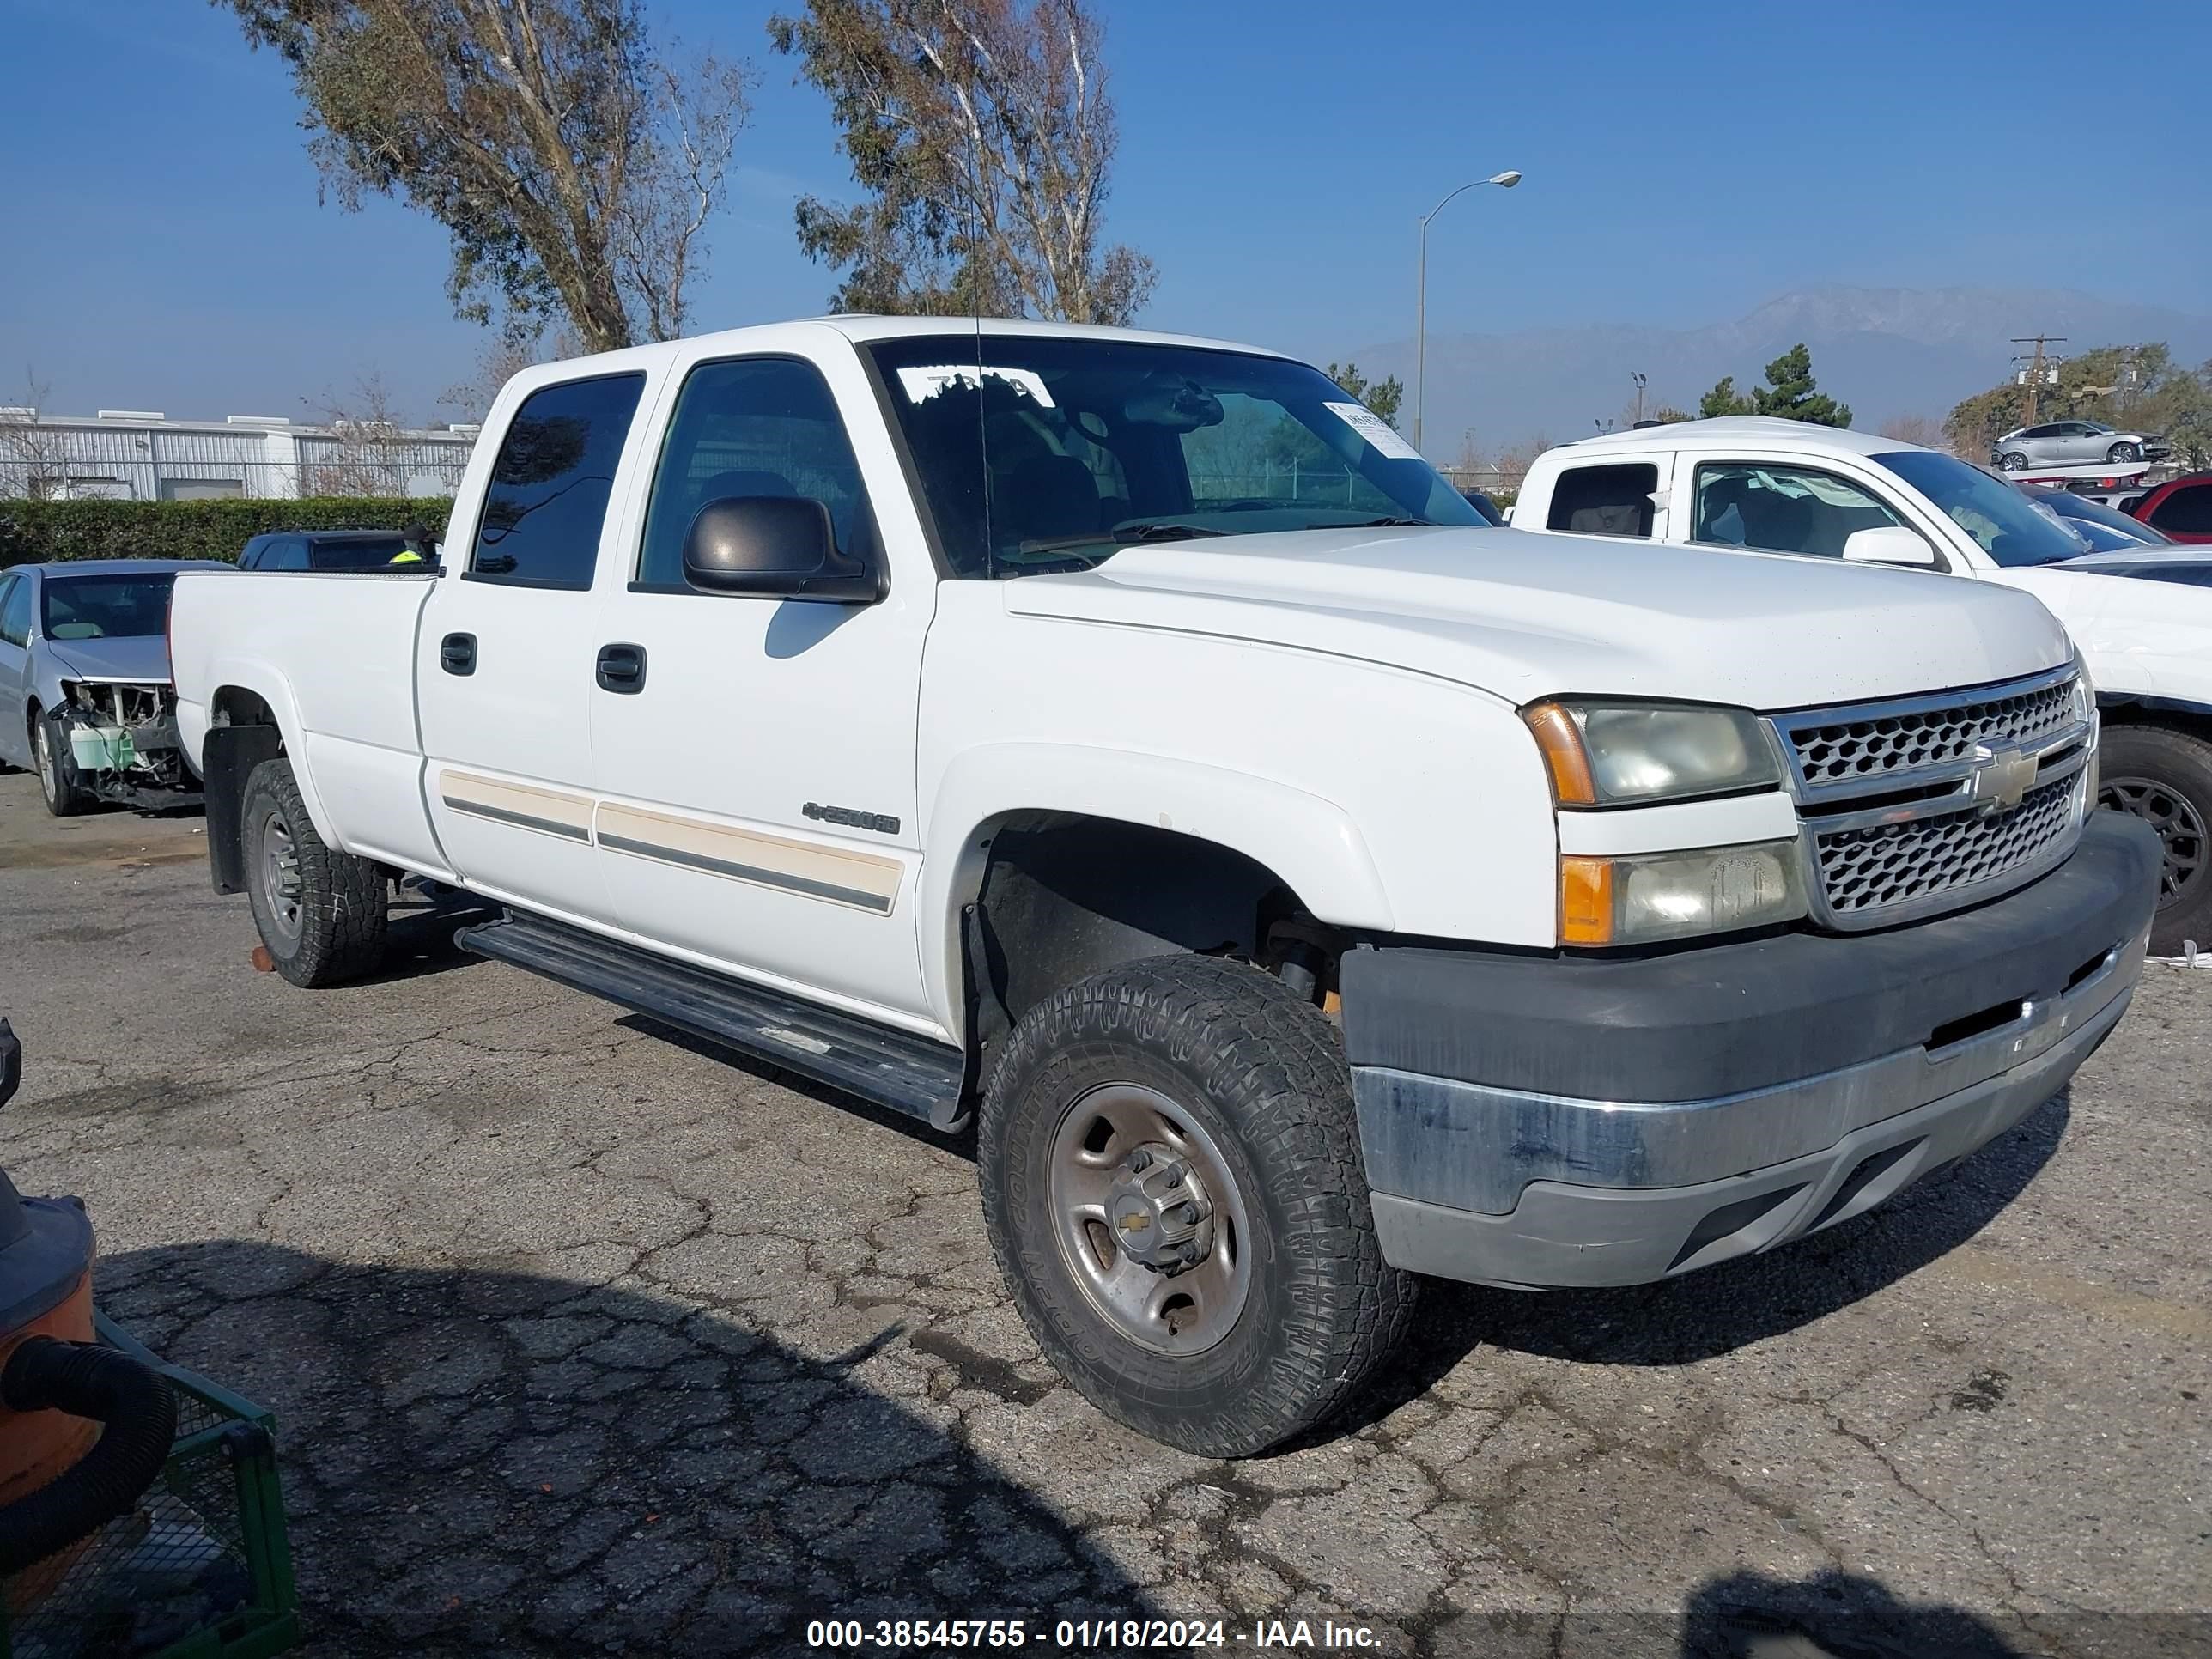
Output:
[[1684, 162]]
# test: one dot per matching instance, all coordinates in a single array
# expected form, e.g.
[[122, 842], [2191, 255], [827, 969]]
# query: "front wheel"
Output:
[[322, 913], [2164, 778], [2016, 462], [1172, 1184], [59, 781], [2121, 454]]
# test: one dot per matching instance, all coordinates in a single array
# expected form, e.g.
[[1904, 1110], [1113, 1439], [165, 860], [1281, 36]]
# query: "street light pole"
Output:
[[1505, 180]]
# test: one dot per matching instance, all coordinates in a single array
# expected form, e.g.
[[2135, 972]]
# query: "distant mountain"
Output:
[[1884, 351]]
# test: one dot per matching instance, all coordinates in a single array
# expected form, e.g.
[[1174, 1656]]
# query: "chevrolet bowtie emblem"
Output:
[[2003, 777]]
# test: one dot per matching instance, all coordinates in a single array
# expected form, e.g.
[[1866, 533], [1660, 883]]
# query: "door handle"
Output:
[[457, 654], [622, 669]]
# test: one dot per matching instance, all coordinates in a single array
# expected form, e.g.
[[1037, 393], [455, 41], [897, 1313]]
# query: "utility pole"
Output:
[[2035, 368], [1636, 377]]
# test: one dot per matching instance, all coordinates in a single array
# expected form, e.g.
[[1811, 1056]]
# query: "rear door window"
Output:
[[15, 609], [1605, 501], [547, 501], [2188, 511], [1783, 509]]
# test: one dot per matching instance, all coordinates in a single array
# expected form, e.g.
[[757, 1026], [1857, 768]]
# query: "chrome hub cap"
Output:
[[2179, 824], [1149, 1220]]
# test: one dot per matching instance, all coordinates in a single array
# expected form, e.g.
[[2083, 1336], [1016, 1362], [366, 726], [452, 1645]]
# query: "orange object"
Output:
[[1561, 740], [36, 1447], [1585, 900]]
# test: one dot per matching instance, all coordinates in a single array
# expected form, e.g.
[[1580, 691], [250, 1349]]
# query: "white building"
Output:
[[128, 455]]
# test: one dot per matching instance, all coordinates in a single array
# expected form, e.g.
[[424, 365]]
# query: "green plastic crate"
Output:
[[201, 1569]]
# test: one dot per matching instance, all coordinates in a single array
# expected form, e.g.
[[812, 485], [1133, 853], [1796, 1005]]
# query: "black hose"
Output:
[[138, 1416]]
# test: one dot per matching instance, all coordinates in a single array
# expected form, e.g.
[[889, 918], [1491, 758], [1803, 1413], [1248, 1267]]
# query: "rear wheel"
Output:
[[322, 913], [2164, 778], [59, 780], [2121, 454], [1173, 1188]]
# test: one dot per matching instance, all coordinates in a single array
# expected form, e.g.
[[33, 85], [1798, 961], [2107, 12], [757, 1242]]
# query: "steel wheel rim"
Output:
[[280, 878], [2179, 824], [1180, 1313], [49, 775]]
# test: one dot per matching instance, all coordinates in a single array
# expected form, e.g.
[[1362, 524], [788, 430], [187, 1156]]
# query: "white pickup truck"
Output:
[[946, 712], [2142, 617]]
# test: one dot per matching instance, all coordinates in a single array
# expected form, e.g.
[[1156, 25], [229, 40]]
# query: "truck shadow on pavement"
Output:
[[477, 1461], [1720, 1308]]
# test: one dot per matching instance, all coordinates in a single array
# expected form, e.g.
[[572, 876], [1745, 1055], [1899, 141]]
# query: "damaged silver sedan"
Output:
[[85, 695]]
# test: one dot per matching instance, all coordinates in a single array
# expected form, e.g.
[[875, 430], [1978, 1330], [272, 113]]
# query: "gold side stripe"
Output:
[[523, 803], [841, 876]]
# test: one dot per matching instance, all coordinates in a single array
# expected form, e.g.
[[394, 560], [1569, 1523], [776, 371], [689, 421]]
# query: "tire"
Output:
[[1240, 1081], [64, 793], [2164, 777], [2121, 454], [322, 913], [2014, 462]]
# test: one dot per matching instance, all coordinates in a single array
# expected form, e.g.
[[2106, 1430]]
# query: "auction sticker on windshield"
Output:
[[1378, 431]]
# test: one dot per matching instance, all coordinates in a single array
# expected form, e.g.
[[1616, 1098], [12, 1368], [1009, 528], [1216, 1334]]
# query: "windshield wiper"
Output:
[[1156, 530]]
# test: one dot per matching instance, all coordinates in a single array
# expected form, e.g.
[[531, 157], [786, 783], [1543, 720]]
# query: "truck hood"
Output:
[[142, 662], [1525, 616]]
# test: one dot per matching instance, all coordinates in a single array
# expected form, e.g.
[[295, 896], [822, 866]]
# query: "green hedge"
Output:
[[40, 532]]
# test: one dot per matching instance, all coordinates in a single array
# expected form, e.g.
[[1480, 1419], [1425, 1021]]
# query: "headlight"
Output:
[[2084, 688], [1609, 754], [2085, 708], [1662, 896]]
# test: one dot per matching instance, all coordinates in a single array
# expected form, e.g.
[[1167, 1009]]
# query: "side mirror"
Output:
[[1890, 543], [782, 547]]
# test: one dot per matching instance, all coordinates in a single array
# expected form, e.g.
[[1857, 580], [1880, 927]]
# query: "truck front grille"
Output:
[[1866, 871], [1874, 747], [1923, 805]]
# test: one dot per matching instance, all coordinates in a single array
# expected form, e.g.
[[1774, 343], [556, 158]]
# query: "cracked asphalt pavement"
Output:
[[584, 1337]]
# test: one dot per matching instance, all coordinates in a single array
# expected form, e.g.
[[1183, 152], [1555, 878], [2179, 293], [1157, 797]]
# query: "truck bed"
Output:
[[340, 647]]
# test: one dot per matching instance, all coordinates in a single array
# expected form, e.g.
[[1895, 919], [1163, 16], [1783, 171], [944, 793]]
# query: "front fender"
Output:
[[1311, 843]]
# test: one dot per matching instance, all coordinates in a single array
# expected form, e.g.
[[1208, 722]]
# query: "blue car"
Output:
[[85, 695]]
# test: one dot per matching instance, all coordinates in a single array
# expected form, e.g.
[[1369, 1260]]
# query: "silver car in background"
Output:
[[2071, 443], [86, 700]]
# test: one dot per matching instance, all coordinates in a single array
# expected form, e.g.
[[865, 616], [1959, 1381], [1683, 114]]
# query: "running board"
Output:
[[895, 1069]]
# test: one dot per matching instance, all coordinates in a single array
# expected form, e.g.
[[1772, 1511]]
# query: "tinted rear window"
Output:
[[548, 498], [350, 555]]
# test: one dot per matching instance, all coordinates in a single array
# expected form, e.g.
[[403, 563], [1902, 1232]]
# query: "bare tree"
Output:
[[368, 455], [499, 361], [982, 134], [1921, 429], [575, 171], [34, 457]]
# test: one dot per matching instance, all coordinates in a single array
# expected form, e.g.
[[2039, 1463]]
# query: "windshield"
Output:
[[105, 607], [2005, 524], [2082, 510], [1094, 444]]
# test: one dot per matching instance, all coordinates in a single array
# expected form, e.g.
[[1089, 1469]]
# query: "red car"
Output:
[[2181, 507]]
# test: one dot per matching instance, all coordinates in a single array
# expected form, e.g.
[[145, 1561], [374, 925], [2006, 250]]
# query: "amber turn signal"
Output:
[[1586, 910], [1561, 741]]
